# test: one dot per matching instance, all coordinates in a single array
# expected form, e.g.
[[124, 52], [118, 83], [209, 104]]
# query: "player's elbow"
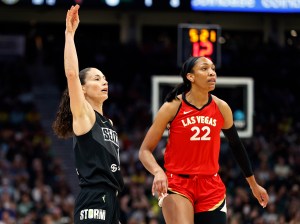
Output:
[[143, 153], [71, 74], [141, 156]]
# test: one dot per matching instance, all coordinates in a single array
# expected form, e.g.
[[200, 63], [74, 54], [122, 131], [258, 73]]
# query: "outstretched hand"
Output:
[[72, 19]]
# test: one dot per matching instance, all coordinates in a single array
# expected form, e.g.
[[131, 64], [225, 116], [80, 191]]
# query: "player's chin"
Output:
[[104, 97], [211, 87]]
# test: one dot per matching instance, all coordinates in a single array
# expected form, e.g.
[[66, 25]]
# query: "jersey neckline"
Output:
[[188, 103]]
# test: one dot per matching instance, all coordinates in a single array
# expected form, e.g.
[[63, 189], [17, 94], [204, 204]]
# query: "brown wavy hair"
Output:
[[62, 125]]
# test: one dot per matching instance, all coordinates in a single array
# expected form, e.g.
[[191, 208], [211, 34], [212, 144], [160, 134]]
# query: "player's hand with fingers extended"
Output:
[[261, 195], [160, 183], [72, 19]]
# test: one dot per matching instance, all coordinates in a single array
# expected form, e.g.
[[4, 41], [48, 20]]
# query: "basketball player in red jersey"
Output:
[[191, 189]]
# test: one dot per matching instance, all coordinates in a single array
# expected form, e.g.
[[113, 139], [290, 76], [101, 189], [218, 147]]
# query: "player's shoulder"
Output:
[[220, 102], [171, 108], [175, 103], [225, 111]]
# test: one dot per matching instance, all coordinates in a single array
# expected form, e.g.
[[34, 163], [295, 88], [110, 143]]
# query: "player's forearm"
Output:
[[70, 55], [238, 150], [149, 162]]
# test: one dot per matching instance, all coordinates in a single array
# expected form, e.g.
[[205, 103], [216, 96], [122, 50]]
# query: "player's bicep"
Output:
[[165, 114], [227, 115], [77, 100]]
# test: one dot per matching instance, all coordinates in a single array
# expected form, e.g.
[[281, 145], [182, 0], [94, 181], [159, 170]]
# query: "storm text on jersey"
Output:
[[110, 135]]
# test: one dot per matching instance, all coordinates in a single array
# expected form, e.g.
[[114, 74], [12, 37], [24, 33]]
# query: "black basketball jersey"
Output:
[[97, 155]]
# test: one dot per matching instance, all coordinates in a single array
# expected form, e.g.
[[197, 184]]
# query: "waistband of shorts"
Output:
[[189, 176], [100, 186]]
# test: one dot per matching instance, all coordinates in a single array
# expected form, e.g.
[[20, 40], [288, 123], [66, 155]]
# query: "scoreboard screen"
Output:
[[199, 40]]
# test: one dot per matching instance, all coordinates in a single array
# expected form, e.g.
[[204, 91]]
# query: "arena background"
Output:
[[130, 43]]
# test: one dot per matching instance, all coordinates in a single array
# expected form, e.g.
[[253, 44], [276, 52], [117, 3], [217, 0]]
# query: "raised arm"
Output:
[[71, 62], [82, 112]]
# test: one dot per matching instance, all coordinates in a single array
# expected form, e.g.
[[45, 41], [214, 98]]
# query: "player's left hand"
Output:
[[261, 195]]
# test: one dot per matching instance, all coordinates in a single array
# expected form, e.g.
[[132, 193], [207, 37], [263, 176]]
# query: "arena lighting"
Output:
[[41, 2], [175, 3], [37, 2], [112, 3], [10, 2], [148, 3], [50, 2], [294, 33]]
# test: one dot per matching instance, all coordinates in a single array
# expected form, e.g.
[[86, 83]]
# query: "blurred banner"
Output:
[[105, 4], [264, 6]]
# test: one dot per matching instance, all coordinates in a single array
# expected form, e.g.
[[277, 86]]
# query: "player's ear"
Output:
[[83, 89], [190, 77]]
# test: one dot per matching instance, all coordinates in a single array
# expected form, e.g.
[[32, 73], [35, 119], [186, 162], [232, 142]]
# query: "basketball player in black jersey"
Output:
[[95, 142]]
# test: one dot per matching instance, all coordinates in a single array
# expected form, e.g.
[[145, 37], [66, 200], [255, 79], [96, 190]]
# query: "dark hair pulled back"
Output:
[[186, 84]]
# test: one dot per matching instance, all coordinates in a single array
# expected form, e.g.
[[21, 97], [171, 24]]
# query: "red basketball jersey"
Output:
[[194, 139]]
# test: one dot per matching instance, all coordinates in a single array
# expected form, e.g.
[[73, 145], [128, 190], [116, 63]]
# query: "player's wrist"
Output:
[[251, 181], [156, 171]]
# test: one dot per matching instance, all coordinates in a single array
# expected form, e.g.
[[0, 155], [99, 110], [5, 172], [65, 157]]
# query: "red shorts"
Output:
[[205, 192]]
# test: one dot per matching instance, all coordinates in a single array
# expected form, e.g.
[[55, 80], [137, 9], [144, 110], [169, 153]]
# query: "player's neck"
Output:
[[197, 99]]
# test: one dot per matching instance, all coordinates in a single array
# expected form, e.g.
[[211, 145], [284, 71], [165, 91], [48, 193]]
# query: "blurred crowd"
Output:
[[33, 185]]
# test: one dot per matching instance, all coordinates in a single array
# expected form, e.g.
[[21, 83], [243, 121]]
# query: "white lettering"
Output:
[[110, 135], [223, 3], [199, 120], [92, 214], [102, 214], [114, 168], [277, 4], [96, 214], [83, 214]]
